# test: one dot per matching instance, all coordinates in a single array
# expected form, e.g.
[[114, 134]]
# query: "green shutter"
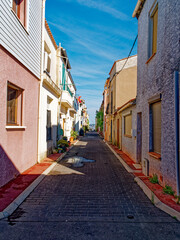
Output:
[[63, 77]]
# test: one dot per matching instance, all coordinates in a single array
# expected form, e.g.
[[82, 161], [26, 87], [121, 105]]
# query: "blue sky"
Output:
[[95, 33]]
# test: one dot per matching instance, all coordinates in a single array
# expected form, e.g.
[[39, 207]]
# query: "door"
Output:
[[63, 126], [139, 137], [118, 133], [111, 130]]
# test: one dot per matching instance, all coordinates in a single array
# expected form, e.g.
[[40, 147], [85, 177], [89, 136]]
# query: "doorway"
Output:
[[118, 132]]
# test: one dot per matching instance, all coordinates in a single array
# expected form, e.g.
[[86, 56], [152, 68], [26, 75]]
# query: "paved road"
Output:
[[97, 201]]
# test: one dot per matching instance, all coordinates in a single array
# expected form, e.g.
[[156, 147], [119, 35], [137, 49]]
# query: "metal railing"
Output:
[[66, 88]]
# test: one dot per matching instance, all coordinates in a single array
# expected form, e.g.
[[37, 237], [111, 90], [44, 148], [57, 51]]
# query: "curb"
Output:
[[20, 199], [120, 159], [155, 200]]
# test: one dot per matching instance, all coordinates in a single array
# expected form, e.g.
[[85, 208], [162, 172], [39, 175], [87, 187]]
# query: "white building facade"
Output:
[[49, 95], [68, 108]]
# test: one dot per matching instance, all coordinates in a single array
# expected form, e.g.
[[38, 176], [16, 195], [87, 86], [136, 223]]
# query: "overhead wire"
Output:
[[127, 57]]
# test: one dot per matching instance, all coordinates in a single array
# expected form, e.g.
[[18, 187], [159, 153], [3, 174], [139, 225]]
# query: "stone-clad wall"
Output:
[[157, 77]]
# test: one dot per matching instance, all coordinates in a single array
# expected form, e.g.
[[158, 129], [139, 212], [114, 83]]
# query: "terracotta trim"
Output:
[[150, 58], [50, 34], [155, 155], [119, 108]]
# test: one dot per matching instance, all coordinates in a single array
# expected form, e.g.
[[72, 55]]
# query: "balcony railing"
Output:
[[66, 88]]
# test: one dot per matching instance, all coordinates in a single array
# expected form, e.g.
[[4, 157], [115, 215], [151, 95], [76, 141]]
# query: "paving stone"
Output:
[[96, 201]]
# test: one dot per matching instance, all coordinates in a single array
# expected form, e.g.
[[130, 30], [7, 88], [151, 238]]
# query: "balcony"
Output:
[[66, 100], [52, 85]]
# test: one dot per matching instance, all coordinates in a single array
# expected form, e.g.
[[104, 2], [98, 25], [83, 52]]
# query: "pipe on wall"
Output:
[[176, 77]]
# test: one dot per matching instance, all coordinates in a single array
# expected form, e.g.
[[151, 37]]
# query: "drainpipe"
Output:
[[176, 76], [40, 84]]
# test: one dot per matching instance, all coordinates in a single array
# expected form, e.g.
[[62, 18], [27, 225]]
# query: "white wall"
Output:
[[52, 55], [45, 94]]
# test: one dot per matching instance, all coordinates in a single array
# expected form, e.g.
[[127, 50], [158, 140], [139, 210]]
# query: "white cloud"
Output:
[[103, 7]]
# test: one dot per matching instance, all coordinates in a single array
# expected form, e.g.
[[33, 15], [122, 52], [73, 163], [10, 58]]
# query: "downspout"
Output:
[[60, 79], [176, 76], [41, 75]]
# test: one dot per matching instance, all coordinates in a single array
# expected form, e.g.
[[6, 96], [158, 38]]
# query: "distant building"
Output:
[[121, 88], [68, 101]]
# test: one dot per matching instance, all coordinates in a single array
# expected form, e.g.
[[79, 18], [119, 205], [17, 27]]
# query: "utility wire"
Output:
[[128, 54], [127, 57]]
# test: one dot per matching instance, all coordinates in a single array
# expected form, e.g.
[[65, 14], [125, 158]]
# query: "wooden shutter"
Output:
[[48, 64], [128, 125], [156, 115], [155, 22]]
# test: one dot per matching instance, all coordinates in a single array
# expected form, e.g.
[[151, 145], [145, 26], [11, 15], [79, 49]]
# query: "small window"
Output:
[[19, 7], [155, 127], [128, 125], [14, 105], [153, 23]]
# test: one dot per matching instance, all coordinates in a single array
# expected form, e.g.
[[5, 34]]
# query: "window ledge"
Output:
[[15, 127], [155, 155], [20, 21], [150, 58], [126, 135]]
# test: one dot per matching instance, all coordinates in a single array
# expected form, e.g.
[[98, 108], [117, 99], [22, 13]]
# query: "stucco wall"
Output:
[[126, 86], [44, 145], [52, 54], [158, 77], [129, 143], [18, 147]]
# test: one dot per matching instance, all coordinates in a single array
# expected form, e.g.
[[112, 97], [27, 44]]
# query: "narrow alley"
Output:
[[97, 201]]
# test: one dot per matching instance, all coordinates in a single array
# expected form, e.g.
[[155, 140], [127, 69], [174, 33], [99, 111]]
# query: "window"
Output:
[[47, 62], [48, 125], [153, 22], [111, 102], [128, 125], [155, 127], [14, 105], [19, 7]]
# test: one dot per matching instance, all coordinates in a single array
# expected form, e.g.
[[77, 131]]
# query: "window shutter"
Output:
[[155, 21], [156, 113], [128, 125], [48, 64]]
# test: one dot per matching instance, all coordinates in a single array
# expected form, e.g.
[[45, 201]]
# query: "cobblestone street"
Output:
[[97, 201]]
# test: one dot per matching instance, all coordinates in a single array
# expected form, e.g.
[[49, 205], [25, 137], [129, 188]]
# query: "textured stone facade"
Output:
[[157, 77]]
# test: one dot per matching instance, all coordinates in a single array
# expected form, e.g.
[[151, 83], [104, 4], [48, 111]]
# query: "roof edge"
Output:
[[121, 60], [50, 34], [138, 8]]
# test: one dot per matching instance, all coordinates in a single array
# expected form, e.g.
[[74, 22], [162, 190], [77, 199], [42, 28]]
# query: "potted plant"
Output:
[[74, 135], [63, 144]]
